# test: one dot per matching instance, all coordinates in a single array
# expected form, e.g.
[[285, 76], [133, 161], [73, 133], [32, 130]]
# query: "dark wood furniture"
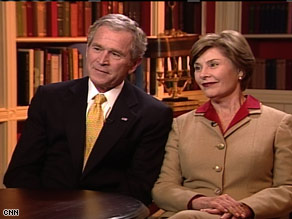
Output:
[[63, 204]]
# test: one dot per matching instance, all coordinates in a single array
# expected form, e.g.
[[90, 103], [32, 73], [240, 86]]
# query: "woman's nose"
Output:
[[203, 73]]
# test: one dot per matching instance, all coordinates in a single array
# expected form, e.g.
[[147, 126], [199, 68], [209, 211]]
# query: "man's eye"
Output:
[[118, 55], [97, 48]]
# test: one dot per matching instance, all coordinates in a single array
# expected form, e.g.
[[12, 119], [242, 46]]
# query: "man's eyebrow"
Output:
[[95, 44]]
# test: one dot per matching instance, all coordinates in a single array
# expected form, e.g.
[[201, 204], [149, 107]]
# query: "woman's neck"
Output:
[[226, 108]]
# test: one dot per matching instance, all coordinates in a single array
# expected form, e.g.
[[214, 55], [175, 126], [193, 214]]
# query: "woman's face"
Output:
[[216, 75]]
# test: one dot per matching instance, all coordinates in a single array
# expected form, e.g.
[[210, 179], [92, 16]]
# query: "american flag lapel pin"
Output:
[[125, 119]]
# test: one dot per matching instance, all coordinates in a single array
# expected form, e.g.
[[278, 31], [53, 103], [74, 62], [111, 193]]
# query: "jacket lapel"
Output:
[[120, 119], [75, 119]]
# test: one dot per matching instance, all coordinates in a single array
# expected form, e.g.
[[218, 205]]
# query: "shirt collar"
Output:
[[210, 113], [110, 95], [250, 103]]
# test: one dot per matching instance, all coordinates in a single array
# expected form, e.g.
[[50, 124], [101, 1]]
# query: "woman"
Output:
[[232, 157]]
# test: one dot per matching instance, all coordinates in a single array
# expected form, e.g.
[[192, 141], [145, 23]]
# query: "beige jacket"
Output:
[[252, 162]]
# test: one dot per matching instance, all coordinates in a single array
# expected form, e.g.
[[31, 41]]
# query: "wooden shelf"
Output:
[[268, 36], [17, 113], [51, 39]]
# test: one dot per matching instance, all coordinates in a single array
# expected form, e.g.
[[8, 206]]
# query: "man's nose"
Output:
[[103, 57]]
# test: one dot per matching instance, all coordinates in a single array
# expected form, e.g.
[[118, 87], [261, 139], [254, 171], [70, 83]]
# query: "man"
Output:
[[128, 153]]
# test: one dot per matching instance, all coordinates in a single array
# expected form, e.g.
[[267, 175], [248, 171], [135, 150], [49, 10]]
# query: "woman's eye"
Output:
[[213, 65], [197, 67]]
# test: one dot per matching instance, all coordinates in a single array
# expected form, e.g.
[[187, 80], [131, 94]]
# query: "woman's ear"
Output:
[[240, 75]]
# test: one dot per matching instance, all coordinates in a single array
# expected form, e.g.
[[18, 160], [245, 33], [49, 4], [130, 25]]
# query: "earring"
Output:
[[240, 78]]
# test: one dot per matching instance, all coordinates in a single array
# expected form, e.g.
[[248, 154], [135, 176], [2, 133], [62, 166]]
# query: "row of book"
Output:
[[67, 18], [272, 74], [37, 67], [267, 18]]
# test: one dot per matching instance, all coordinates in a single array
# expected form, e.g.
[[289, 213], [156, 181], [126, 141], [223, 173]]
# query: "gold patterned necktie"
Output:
[[94, 123]]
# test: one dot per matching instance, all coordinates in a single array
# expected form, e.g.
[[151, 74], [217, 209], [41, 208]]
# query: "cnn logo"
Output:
[[11, 212]]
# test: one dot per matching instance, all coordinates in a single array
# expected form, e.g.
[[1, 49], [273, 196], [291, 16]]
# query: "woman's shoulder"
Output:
[[275, 115]]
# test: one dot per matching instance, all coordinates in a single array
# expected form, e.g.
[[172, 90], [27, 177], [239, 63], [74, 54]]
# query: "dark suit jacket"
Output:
[[127, 155]]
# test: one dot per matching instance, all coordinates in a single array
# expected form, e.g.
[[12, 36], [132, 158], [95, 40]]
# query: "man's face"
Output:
[[108, 59]]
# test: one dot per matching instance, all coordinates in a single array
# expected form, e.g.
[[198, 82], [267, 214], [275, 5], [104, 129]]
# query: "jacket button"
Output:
[[217, 168], [213, 124], [218, 191], [220, 146]]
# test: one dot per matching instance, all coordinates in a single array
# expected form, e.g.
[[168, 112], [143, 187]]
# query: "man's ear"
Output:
[[135, 64]]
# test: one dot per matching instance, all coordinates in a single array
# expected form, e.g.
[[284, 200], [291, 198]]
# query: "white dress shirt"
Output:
[[110, 95]]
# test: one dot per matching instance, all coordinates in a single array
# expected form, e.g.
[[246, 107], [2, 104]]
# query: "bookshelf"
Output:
[[12, 114], [216, 16]]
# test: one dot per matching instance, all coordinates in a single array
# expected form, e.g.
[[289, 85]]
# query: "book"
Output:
[[74, 19], [55, 61], [52, 19], [65, 64], [40, 18], [60, 18], [145, 12], [281, 74], [104, 8], [258, 79], [39, 70], [47, 75], [80, 13], [96, 11], [87, 16], [271, 77], [21, 14], [29, 18], [66, 18], [25, 76], [55, 71]]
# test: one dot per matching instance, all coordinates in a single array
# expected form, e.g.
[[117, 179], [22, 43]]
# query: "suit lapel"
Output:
[[236, 126], [120, 119], [76, 99]]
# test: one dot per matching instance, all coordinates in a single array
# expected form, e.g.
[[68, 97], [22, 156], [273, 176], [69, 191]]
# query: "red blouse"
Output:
[[211, 114]]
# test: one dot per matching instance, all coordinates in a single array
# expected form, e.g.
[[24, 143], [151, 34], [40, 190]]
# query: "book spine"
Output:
[[87, 16], [29, 19], [52, 19], [21, 22], [80, 14], [66, 18], [60, 18], [73, 19]]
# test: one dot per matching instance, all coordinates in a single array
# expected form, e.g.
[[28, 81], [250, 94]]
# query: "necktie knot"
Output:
[[99, 99]]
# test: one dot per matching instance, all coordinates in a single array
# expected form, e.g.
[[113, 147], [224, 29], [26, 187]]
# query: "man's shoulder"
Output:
[[142, 96], [65, 84]]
